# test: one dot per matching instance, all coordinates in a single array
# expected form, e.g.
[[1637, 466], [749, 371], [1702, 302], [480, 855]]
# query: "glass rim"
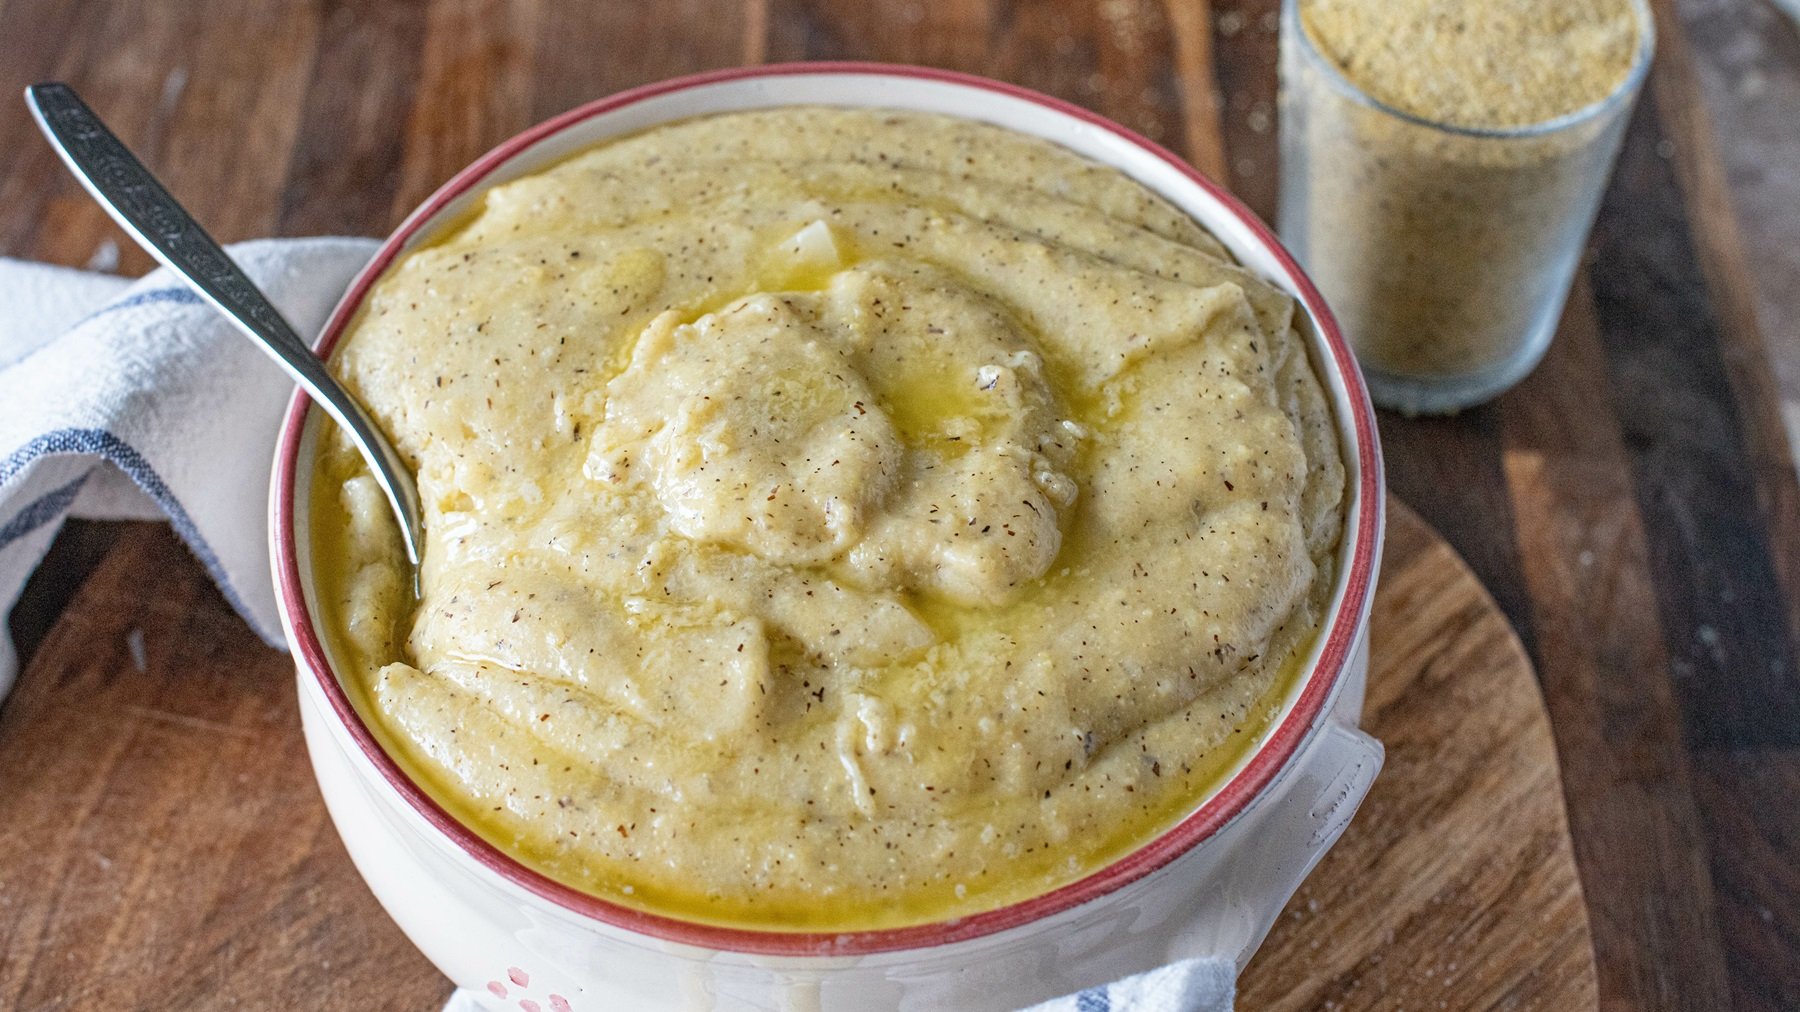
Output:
[[1621, 95]]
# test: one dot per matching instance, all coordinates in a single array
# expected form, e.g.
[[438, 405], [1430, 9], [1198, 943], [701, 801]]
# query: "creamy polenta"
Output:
[[835, 519]]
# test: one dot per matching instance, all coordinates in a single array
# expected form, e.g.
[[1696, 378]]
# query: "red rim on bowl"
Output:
[[1281, 744]]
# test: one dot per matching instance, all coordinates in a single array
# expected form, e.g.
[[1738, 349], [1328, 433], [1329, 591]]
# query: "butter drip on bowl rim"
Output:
[[837, 519]]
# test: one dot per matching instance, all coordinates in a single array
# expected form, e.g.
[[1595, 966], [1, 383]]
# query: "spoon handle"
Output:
[[162, 227]]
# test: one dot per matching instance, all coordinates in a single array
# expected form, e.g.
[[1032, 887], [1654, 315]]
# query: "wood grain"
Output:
[[1587, 575], [345, 169], [1711, 495], [1455, 887], [1655, 443], [1746, 356], [167, 847], [1742, 152]]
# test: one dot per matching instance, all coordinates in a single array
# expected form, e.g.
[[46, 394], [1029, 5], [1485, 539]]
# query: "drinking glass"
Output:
[[1446, 252]]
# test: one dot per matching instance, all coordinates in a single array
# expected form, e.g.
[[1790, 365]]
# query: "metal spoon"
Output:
[[144, 209]]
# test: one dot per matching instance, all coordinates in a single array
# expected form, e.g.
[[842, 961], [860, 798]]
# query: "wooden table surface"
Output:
[[1633, 506]]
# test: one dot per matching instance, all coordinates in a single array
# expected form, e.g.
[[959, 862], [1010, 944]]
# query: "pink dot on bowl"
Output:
[[528, 1005], [519, 977], [558, 1003], [497, 988]]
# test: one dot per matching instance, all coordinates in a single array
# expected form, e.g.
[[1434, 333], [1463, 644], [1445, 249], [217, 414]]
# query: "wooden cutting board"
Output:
[[165, 845], [1455, 886]]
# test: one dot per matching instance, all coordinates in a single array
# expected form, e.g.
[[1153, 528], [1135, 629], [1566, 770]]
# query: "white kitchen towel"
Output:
[[136, 400], [122, 399], [1203, 984]]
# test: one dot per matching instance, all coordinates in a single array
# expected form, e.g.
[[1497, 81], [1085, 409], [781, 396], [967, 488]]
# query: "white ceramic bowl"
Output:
[[1210, 885]]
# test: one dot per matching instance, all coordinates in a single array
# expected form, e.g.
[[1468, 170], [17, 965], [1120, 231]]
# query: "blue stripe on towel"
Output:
[[1094, 999], [48, 507], [179, 296], [111, 448], [174, 296]]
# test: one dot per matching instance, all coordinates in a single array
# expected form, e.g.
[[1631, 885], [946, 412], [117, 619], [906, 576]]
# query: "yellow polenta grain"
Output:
[[1445, 246], [1478, 63]]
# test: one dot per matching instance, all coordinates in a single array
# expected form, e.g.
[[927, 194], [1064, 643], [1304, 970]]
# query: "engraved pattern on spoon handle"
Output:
[[140, 204]]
